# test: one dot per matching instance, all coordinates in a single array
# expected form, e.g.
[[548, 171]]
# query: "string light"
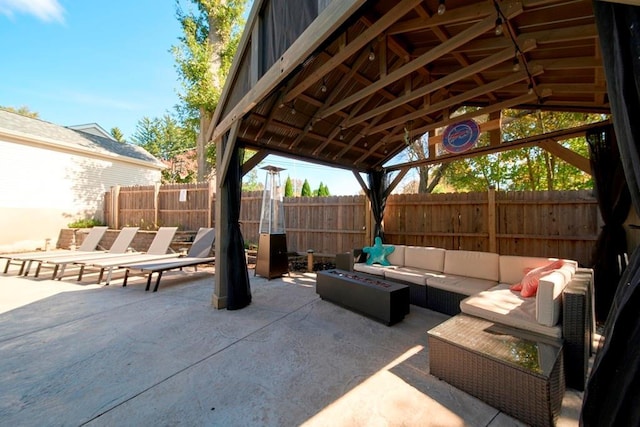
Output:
[[442, 8], [499, 28], [372, 55], [518, 58], [516, 63], [323, 88]]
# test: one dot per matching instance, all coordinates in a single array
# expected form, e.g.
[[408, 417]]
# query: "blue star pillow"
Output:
[[377, 254]]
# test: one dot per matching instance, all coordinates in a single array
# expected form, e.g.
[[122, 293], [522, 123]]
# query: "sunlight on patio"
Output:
[[25, 292], [386, 395]]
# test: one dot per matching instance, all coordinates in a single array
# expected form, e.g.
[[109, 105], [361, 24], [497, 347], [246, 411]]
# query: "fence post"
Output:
[[368, 215], [115, 206], [491, 219], [156, 203]]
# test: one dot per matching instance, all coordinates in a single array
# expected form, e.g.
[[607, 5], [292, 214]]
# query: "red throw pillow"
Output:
[[528, 287]]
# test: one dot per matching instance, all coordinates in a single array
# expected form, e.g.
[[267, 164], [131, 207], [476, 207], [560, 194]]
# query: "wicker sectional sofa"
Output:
[[478, 284]]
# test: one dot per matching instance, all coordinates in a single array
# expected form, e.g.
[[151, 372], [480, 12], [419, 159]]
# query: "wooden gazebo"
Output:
[[339, 82]]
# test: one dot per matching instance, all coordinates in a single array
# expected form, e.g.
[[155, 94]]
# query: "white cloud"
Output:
[[45, 10]]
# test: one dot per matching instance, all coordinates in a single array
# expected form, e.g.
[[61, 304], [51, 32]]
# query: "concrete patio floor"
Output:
[[81, 354]]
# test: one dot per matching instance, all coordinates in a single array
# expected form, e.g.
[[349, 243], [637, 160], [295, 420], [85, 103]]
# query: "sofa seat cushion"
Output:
[[376, 269], [502, 305], [459, 284], [481, 265], [417, 276]]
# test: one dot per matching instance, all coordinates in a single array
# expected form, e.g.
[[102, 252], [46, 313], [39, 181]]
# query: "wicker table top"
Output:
[[530, 353]]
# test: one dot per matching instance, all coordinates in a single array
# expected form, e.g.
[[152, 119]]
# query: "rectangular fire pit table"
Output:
[[379, 299], [516, 372]]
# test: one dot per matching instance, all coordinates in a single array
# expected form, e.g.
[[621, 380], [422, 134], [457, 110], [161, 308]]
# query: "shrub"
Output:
[[85, 223]]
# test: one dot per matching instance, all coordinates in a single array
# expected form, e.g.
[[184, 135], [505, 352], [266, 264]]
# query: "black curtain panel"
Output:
[[614, 201], [613, 389], [239, 287], [378, 184]]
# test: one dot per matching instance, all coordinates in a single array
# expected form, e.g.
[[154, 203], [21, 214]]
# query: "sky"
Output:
[[107, 62]]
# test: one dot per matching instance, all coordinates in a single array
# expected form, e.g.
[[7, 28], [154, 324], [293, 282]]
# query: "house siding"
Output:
[[43, 190]]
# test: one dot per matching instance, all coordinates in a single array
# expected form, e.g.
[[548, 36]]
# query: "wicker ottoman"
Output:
[[521, 375]]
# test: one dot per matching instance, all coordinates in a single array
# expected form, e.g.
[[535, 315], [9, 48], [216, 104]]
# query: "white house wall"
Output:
[[42, 191]]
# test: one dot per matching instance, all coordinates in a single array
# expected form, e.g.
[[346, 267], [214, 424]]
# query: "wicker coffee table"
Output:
[[519, 374]]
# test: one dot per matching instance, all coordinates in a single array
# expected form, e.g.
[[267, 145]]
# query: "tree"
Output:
[[429, 175], [166, 140], [116, 133], [288, 187], [203, 58], [250, 182], [531, 168], [306, 189], [322, 191], [23, 111]]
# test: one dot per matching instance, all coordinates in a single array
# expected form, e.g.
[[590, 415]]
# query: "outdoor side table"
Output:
[[518, 373]]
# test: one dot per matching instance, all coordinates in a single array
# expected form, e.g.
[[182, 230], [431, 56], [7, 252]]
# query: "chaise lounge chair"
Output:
[[89, 245], [159, 249], [120, 246], [198, 254]]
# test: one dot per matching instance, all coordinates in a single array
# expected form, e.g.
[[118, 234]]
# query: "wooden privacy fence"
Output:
[[562, 224], [548, 223], [187, 206]]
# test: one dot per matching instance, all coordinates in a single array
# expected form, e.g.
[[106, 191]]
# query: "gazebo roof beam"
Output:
[[356, 45], [461, 98], [442, 49], [440, 83]]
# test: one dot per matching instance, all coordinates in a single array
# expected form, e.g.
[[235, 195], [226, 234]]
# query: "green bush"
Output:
[[85, 223]]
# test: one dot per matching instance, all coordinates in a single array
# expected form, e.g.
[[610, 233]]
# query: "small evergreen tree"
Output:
[[306, 189], [288, 187], [116, 133], [322, 190]]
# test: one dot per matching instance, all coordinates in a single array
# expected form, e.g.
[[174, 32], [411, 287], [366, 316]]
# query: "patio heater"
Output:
[[271, 260]]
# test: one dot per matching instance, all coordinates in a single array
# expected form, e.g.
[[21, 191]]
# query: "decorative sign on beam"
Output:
[[461, 136]]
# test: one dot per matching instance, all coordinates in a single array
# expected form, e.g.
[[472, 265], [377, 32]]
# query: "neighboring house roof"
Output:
[[92, 128], [38, 132]]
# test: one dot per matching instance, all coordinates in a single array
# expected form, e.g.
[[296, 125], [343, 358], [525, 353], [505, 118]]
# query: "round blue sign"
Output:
[[461, 136]]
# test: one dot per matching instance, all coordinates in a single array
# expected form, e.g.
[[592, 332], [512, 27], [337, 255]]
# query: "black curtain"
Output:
[[378, 184], [613, 390], [238, 287], [614, 202]]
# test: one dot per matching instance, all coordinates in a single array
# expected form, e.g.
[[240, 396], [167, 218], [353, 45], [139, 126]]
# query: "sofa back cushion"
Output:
[[549, 296], [513, 268], [397, 256], [426, 258], [482, 265]]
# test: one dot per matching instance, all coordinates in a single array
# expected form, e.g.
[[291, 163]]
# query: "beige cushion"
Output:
[[409, 274], [459, 284], [427, 258], [481, 265], [376, 269], [512, 267], [397, 256], [502, 305], [549, 297]]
